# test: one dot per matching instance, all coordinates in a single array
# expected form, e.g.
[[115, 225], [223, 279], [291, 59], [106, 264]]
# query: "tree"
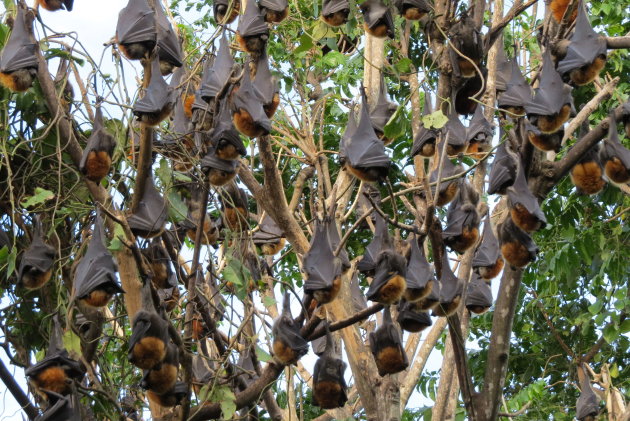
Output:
[[205, 267]]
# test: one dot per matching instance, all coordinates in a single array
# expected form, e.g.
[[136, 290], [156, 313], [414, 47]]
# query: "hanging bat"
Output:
[[542, 141], [178, 144], [210, 232], [136, 31], [322, 268], [524, 207], [234, 208], [559, 9], [36, 264], [288, 344], [219, 171], [462, 220], [378, 20], [389, 283], [335, 12], [97, 155], [386, 347], [202, 372], [504, 67], [587, 174], [226, 11], [479, 135], [183, 85], [269, 237], [246, 366], [419, 277], [18, 59], [552, 103], [362, 153], [358, 299], [249, 261], [615, 156], [448, 189], [149, 338], [275, 11], [329, 385], [54, 5], [457, 138], [517, 247], [169, 296], [450, 290], [431, 300], [149, 218], [169, 49], [425, 139], [503, 172], [478, 295], [217, 72], [267, 85], [351, 127], [248, 113], [335, 239], [381, 112], [159, 263], [158, 100], [411, 318], [518, 93], [171, 398], [469, 91], [162, 378], [252, 32], [465, 36], [224, 137], [587, 407], [367, 264], [364, 205], [95, 280], [413, 9], [65, 408], [488, 262], [586, 52]]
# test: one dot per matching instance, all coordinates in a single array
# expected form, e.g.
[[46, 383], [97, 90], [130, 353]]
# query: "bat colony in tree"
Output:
[[231, 100]]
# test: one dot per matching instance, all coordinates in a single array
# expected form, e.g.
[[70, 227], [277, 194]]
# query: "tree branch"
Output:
[[17, 392], [617, 43], [518, 8]]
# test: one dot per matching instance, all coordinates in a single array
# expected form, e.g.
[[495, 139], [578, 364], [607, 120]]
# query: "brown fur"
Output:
[[227, 151], [466, 68], [160, 274], [369, 176], [413, 326], [326, 296], [413, 13], [447, 195], [328, 395], [245, 124], [544, 143], [171, 301], [272, 107], [236, 219], [162, 380], [276, 17], [491, 272], [616, 171], [188, 103], [137, 50], [389, 360], [283, 353], [381, 136], [153, 119], [558, 9], [236, 6], [271, 249], [253, 44], [477, 309], [36, 280], [97, 165], [515, 254], [446, 309], [515, 111], [413, 295], [18, 81], [209, 236], [523, 219], [425, 304], [220, 178], [167, 400], [466, 240], [98, 298], [392, 290], [379, 31], [587, 177], [166, 67], [198, 330], [586, 74], [428, 149], [476, 150], [552, 123], [336, 19], [148, 352], [54, 379]]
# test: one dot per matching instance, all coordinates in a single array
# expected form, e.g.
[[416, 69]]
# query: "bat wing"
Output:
[[551, 93], [363, 148], [335, 239], [383, 109], [167, 40], [141, 326], [275, 5], [479, 128], [503, 172], [158, 94], [455, 130], [448, 170], [322, 267], [358, 299], [613, 148], [39, 255], [509, 232], [351, 127], [151, 214], [264, 82], [376, 12], [269, 232], [250, 99], [478, 293], [211, 161], [419, 271], [217, 74], [519, 193], [450, 285], [333, 6], [409, 313], [225, 131], [518, 93], [423, 136], [252, 23], [585, 44], [370, 256], [99, 141], [136, 23], [20, 51], [291, 336], [488, 251], [63, 410], [588, 402], [389, 263], [504, 68], [319, 346]]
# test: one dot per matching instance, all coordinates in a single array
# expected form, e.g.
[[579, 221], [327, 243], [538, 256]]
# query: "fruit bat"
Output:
[[411, 318], [234, 208], [171, 398], [478, 295], [159, 263], [97, 155], [517, 94], [552, 103], [56, 371], [425, 139], [162, 378], [267, 86], [431, 300], [246, 366], [413, 9], [202, 117], [65, 408], [319, 345], [149, 338], [586, 52], [217, 72], [465, 36], [322, 268], [249, 261], [219, 171], [364, 205], [587, 173], [503, 172], [202, 372], [378, 20], [149, 218], [542, 141], [381, 112], [275, 11], [524, 207], [351, 127], [136, 31], [288, 344], [158, 100], [224, 137], [247, 107], [389, 283], [36, 264], [587, 407], [517, 246], [386, 347], [178, 144], [169, 296], [95, 278], [448, 189], [456, 132], [615, 157], [468, 91], [559, 8], [169, 51], [54, 5], [419, 277], [358, 299], [488, 262], [363, 153], [462, 220], [335, 240], [18, 59], [450, 290], [252, 32], [367, 264], [269, 237], [335, 12], [210, 231], [223, 14], [329, 385], [504, 67], [479, 135]]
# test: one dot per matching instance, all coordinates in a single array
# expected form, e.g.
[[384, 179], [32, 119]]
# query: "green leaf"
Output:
[[403, 65], [116, 244], [595, 307], [269, 301], [40, 196], [177, 209], [226, 399], [12, 260], [262, 355], [72, 343], [397, 125], [611, 333], [321, 30], [625, 326], [435, 120]]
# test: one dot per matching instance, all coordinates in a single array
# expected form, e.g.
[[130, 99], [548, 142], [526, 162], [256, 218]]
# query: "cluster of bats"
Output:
[[209, 115]]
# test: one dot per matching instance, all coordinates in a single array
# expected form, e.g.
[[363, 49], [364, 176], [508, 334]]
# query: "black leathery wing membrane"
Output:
[[149, 218], [615, 156], [450, 290], [462, 220], [269, 236], [248, 113], [217, 72], [425, 139], [367, 264], [322, 268], [351, 127], [288, 344], [478, 295], [157, 102], [468, 40], [383, 109], [389, 282], [149, 339], [420, 277], [524, 207], [358, 299], [503, 171], [267, 85], [224, 137], [587, 406], [335, 239], [448, 189], [456, 133], [386, 347], [169, 48], [65, 408], [487, 260], [252, 31], [411, 318], [19, 55], [98, 150], [275, 11], [378, 18], [504, 67], [518, 93], [136, 25], [329, 385], [479, 130], [37, 261]]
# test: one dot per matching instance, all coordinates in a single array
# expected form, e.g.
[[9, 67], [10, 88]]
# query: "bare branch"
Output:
[[17, 392]]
